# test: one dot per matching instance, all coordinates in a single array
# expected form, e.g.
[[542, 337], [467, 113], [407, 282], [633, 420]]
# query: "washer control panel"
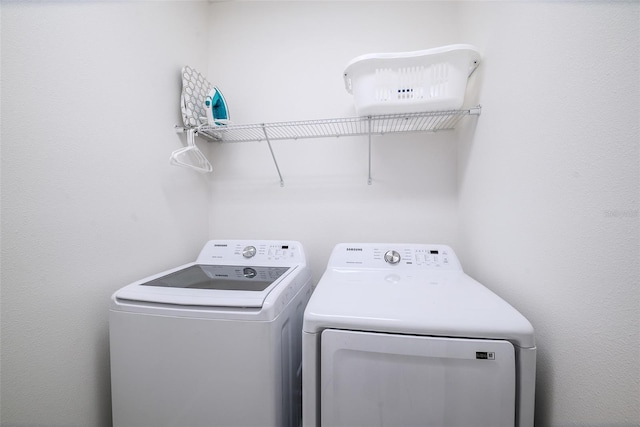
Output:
[[252, 252], [391, 255]]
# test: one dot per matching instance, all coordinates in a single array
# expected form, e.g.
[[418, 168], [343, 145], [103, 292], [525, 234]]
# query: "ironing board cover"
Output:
[[195, 88]]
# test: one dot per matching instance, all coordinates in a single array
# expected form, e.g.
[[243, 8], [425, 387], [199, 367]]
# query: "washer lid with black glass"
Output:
[[208, 285]]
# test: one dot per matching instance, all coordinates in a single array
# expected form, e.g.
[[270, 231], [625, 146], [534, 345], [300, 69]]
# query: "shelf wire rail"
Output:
[[430, 121]]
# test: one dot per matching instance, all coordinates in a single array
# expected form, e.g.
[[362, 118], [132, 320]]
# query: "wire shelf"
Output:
[[431, 121]]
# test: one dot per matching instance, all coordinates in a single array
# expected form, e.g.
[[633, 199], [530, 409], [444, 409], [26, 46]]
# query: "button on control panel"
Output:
[[432, 257]]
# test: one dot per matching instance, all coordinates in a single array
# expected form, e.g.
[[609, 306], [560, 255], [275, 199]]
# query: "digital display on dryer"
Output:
[[221, 277]]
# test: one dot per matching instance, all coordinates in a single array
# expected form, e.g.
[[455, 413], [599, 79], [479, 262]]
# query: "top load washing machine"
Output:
[[398, 335], [216, 342]]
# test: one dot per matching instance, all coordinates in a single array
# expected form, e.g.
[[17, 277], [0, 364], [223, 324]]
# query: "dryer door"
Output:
[[376, 379]]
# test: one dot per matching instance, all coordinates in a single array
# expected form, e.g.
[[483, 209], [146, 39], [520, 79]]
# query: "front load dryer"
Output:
[[216, 342], [398, 335]]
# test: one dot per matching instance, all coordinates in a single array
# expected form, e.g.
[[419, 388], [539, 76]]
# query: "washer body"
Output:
[[398, 335], [212, 343]]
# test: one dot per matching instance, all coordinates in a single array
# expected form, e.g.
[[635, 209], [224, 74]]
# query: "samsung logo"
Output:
[[354, 249], [217, 245]]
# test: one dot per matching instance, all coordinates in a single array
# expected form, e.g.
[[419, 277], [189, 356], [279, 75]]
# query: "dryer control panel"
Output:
[[394, 255], [252, 252]]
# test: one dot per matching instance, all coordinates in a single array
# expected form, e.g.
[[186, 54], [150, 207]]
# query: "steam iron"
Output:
[[217, 111]]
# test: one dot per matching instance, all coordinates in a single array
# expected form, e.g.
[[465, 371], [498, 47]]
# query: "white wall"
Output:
[[539, 195], [549, 190], [89, 201]]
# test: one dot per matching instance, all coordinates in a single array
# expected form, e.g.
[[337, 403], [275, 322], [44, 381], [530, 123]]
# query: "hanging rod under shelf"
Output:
[[429, 121]]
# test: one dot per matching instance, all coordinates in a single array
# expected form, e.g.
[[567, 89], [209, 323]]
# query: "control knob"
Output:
[[249, 251], [392, 257], [249, 273]]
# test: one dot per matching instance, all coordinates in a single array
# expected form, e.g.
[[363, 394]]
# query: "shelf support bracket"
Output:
[[266, 137], [369, 134]]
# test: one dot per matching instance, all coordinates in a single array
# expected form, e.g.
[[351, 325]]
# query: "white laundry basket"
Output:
[[427, 80]]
